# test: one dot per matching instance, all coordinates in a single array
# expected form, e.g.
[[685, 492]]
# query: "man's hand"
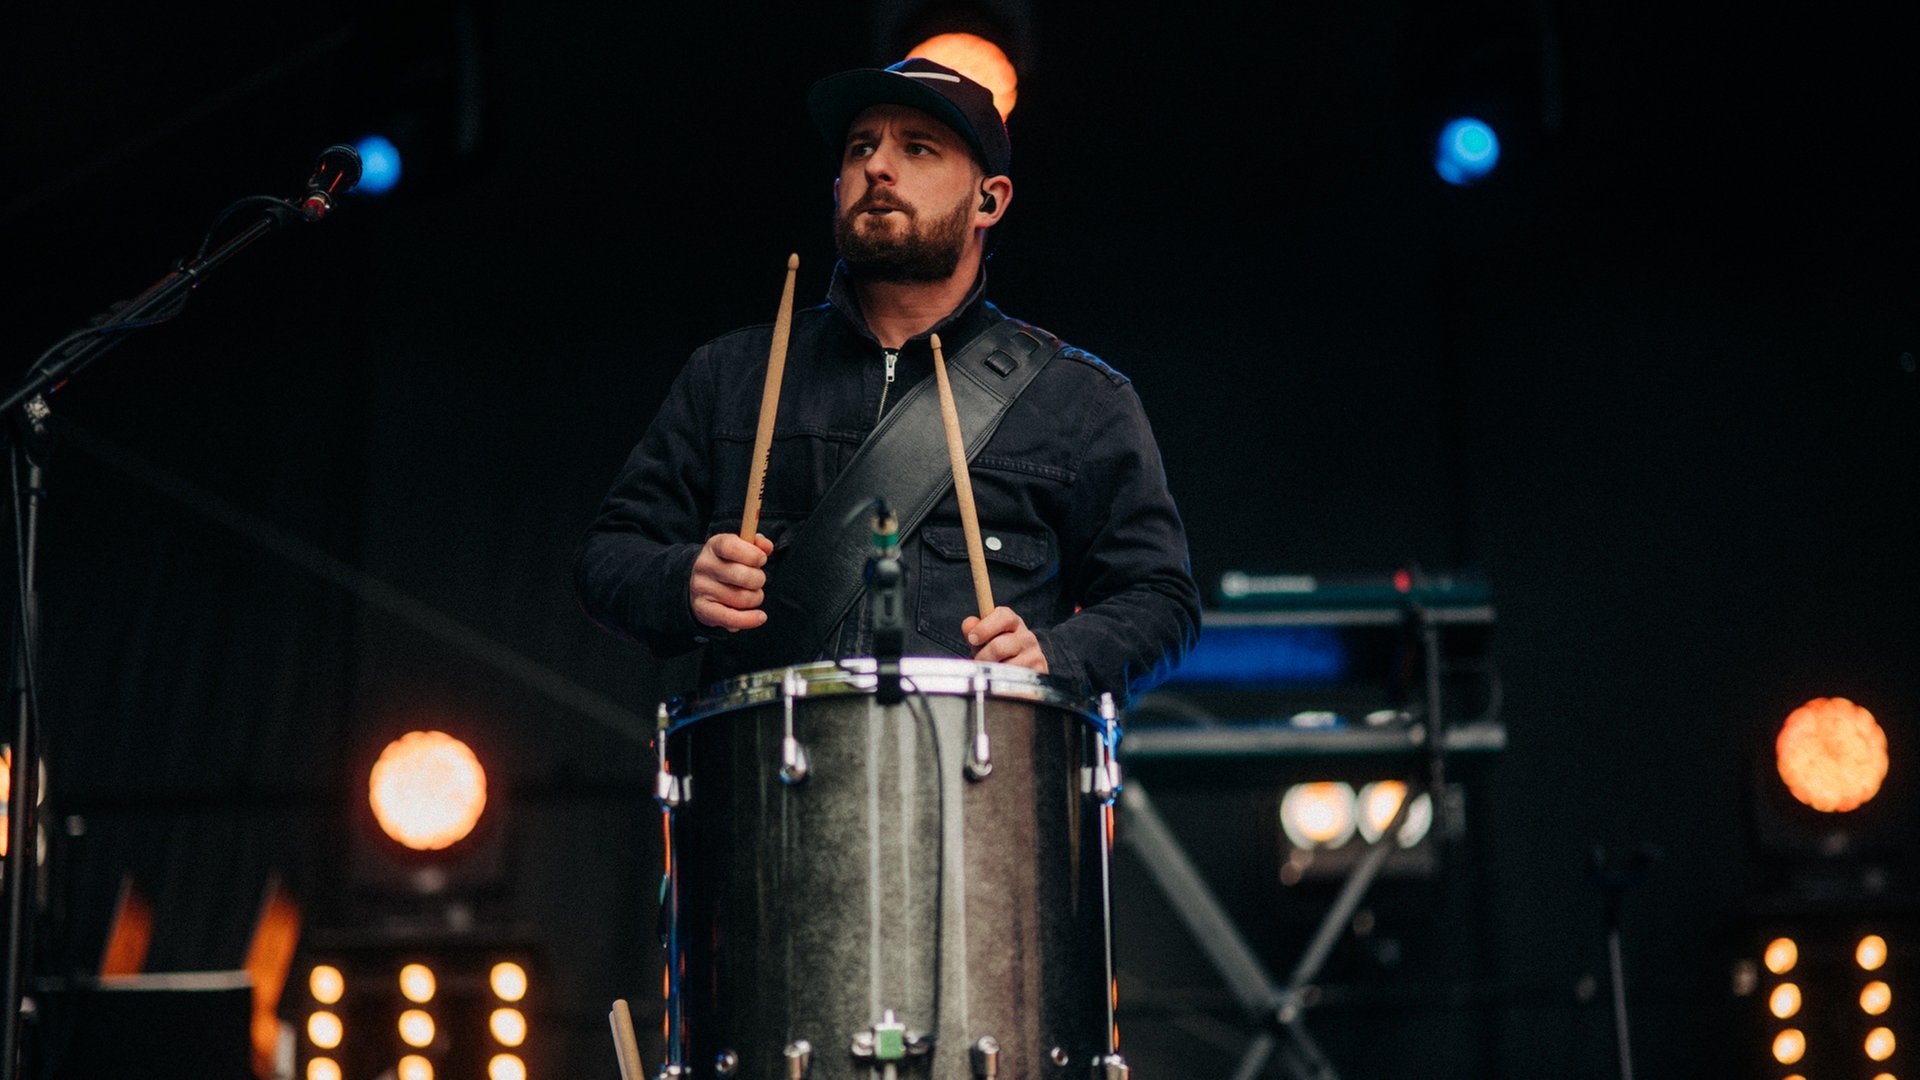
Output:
[[729, 575], [1003, 637]]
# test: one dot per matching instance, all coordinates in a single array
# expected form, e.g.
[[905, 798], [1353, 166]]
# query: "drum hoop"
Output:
[[944, 675]]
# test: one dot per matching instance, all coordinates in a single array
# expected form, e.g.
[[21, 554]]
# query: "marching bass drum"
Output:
[[860, 890]]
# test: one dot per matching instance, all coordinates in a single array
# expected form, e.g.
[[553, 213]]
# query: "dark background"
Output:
[[1654, 380]]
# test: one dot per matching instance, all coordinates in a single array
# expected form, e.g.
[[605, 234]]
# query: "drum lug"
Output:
[[799, 1055], [1106, 768], [979, 748], [669, 791], [985, 1053], [794, 766]]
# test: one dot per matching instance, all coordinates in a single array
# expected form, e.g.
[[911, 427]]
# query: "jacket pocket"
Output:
[[1022, 571]]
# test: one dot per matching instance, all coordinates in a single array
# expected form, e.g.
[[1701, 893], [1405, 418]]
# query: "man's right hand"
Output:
[[729, 577]]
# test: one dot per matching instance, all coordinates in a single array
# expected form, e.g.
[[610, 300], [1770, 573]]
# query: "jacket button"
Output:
[[993, 543]]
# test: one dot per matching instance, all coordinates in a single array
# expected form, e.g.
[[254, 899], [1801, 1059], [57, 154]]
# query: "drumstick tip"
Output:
[[793, 261], [934, 340]]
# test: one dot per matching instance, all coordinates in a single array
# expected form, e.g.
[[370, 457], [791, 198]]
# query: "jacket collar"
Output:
[[966, 318]]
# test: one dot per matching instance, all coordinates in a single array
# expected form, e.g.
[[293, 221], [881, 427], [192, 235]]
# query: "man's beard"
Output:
[[914, 256]]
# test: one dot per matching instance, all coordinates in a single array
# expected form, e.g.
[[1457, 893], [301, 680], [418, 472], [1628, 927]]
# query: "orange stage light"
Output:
[[417, 983], [1832, 754], [1781, 955], [508, 980], [427, 790], [1789, 1046], [978, 59]]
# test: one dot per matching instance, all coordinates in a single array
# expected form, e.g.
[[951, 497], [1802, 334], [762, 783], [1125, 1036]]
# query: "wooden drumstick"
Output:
[[769, 405], [626, 1048], [963, 485]]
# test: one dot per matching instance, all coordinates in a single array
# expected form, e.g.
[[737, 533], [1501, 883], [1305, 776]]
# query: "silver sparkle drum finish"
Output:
[[859, 890]]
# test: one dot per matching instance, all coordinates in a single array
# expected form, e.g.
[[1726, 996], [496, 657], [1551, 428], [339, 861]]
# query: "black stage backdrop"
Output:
[[1654, 379]]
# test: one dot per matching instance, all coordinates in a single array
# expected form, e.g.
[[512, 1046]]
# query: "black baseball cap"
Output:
[[937, 90]]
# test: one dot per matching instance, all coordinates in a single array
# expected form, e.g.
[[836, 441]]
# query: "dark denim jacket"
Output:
[[1083, 537]]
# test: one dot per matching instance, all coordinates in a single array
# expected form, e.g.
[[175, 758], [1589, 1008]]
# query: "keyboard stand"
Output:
[[1275, 1010]]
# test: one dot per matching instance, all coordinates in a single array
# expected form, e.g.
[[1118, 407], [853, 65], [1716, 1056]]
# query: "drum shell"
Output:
[[889, 879]]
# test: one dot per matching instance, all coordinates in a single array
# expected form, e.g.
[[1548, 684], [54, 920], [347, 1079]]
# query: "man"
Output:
[[1086, 553]]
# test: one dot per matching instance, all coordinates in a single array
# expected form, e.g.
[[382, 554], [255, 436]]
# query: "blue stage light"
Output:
[[379, 165], [1467, 151]]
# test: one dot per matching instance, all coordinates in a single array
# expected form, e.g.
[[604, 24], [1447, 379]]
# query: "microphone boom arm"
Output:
[[165, 298]]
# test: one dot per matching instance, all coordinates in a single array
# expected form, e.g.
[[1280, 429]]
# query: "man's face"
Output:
[[904, 204]]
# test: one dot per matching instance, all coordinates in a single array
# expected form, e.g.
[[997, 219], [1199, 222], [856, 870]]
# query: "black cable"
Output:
[[21, 561], [279, 209], [918, 697], [275, 207]]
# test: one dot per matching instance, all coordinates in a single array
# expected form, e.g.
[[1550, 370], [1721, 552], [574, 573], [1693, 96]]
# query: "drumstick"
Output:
[[626, 1047], [963, 485], [769, 405]]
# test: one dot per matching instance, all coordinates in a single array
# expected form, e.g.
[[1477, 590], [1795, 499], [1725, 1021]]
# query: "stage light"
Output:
[[509, 1026], [978, 59], [425, 1009], [427, 790], [326, 984], [1466, 151], [509, 981], [1871, 953], [6, 797], [1318, 814], [1875, 998], [506, 1067], [416, 1028], [1789, 1046], [323, 1069], [379, 165], [1781, 955], [1831, 754], [417, 983], [324, 1029], [1380, 800], [1784, 1001], [1880, 1043]]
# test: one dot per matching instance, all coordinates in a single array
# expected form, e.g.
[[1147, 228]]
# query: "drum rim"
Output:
[[944, 675]]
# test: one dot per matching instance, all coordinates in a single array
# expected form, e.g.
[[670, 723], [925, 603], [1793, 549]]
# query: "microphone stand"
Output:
[[26, 412], [1614, 881]]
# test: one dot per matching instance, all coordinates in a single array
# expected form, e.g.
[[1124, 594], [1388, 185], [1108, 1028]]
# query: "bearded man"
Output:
[[1085, 550]]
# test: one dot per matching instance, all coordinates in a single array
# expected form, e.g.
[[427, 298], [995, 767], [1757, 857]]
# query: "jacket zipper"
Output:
[[892, 356]]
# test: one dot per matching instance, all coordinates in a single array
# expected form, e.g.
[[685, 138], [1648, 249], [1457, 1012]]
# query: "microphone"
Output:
[[884, 579], [335, 174]]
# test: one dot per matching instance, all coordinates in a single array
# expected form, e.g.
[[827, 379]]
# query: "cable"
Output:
[[918, 697]]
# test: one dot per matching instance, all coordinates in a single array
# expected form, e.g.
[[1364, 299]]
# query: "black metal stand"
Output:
[[24, 773], [1276, 1010], [23, 417], [1614, 881]]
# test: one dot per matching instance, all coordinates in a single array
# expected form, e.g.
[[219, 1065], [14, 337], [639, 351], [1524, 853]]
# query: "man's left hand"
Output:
[[1003, 637]]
